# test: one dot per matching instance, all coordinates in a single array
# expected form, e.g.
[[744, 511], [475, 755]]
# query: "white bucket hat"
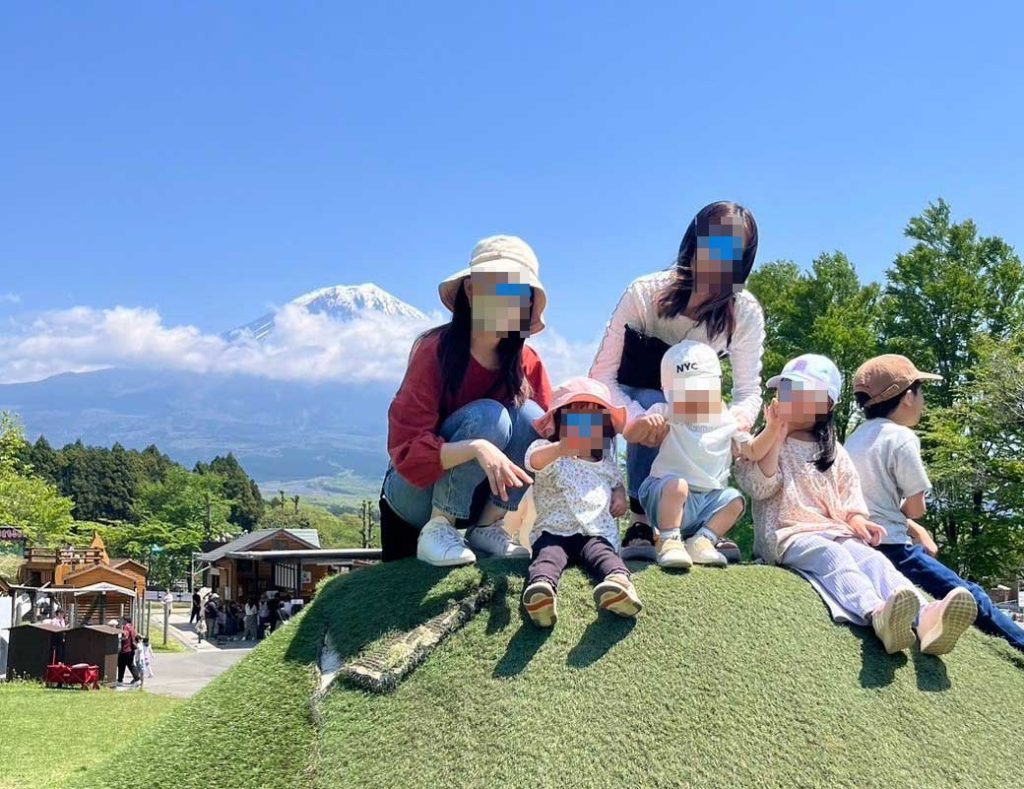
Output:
[[505, 254], [818, 372]]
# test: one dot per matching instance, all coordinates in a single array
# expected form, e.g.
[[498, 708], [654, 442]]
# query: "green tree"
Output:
[[826, 310], [247, 502], [27, 502], [951, 288]]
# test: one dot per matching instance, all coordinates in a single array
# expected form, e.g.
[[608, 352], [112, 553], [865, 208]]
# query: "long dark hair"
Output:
[[453, 354], [824, 431], [717, 313]]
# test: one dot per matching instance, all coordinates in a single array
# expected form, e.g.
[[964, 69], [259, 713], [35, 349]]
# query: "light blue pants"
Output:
[[509, 429]]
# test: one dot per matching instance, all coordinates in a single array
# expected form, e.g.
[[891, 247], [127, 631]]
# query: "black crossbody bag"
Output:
[[640, 365]]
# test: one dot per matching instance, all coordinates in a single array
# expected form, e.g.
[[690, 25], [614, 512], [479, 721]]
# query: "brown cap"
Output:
[[884, 377]]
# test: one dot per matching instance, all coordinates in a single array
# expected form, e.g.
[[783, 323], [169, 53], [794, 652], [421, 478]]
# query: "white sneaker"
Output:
[[703, 551], [893, 622], [944, 621], [494, 540], [441, 545], [673, 555]]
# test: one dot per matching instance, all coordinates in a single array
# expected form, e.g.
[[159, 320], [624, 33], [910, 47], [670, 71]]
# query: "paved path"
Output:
[[183, 674]]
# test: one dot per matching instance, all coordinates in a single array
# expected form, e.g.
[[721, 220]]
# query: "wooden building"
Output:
[[287, 560]]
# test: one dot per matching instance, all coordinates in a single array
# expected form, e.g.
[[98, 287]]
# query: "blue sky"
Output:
[[207, 160]]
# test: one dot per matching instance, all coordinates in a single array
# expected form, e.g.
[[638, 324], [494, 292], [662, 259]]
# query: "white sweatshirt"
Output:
[[637, 308]]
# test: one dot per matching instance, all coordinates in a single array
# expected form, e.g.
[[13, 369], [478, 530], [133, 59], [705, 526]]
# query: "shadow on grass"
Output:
[[526, 642], [931, 673], [598, 639], [363, 607], [878, 668]]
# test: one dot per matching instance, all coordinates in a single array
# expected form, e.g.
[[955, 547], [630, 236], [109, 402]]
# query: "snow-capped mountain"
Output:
[[280, 430], [340, 302]]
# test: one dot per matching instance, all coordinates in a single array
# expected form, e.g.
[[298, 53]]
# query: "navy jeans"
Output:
[[938, 580], [509, 429], [639, 458]]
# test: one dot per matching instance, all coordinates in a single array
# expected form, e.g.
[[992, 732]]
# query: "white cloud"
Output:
[[10, 298], [303, 347]]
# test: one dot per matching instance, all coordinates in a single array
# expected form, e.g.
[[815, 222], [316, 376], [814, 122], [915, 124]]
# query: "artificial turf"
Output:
[[729, 678]]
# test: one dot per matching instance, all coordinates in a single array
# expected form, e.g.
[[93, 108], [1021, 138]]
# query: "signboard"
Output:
[[12, 540], [158, 596]]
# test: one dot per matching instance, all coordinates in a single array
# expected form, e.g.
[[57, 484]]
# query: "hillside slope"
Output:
[[729, 678]]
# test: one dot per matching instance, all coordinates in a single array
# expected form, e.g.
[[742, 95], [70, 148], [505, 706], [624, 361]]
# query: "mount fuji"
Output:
[[282, 431], [339, 302]]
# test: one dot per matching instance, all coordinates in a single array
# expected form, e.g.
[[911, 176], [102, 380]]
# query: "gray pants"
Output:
[[856, 575], [250, 628]]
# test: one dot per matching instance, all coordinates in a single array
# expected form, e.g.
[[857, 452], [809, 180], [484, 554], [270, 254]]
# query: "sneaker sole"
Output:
[[639, 553], [675, 564], [519, 553], [542, 608], [958, 616], [901, 621], [458, 562], [611, 597], [723, 562]]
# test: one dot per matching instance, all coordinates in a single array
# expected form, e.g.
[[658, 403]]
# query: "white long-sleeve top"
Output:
[[638, 308]]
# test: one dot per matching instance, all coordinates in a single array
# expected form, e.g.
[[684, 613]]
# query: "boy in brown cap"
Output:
[[887, 454]]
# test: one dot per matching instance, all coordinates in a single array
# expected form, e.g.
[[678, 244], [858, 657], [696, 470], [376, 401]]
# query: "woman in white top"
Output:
[[701, 297]]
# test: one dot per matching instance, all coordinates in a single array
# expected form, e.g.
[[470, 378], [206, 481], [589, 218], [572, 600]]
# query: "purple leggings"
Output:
[[552, 553]]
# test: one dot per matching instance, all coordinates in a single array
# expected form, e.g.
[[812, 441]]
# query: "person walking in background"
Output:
[[126, 652], [251, 612], [197, 608], [210, 614]]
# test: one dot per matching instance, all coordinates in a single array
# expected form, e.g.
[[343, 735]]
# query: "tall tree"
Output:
[[28, 502], [826, 310]]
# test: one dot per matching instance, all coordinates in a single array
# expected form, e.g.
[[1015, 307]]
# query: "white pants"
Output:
[[856, 575]]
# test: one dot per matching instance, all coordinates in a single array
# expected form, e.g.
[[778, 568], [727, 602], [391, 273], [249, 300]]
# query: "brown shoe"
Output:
[[541, 604], [617, 594]]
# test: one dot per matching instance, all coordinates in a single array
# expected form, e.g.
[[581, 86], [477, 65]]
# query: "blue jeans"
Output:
[[639, 458], [938, 580], [509, 429], [700, 507]]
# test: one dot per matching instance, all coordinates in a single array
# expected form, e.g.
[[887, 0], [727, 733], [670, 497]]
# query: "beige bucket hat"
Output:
[[505, 254]]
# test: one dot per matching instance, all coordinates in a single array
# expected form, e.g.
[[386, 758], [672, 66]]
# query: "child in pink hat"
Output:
[[578, 493]]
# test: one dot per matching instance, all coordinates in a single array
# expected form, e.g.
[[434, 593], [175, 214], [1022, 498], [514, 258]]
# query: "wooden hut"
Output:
[[32, 648], [96, 645]]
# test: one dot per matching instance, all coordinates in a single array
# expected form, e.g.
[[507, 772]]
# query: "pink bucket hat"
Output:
[[580, 390]]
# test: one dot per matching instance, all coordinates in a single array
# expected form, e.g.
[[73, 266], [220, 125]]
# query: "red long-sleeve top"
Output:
[[421, 406]]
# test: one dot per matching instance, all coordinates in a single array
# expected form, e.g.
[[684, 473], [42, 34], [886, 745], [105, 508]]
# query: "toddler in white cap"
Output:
[[687, 497]]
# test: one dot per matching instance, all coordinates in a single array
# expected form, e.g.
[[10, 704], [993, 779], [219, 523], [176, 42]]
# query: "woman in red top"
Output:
[[461, 421]]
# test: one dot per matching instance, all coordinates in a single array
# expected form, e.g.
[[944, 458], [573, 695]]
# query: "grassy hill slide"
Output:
[[729, 678]]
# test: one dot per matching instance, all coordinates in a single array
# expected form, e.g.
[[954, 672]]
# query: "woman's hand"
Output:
[[649, 430], [865, 530], [501, 472]]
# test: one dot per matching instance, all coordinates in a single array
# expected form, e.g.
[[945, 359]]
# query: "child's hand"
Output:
[[649, 430], [773, 419], [869, 532], [618, 505]]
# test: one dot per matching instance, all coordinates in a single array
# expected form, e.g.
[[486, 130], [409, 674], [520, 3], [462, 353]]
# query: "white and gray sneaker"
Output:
[[441, 545], [494, 540]]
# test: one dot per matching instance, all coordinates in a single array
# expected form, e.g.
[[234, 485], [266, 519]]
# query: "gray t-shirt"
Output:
[[887, 457]]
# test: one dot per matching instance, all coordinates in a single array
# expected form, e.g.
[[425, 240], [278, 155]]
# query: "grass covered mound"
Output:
[[729, 678]]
